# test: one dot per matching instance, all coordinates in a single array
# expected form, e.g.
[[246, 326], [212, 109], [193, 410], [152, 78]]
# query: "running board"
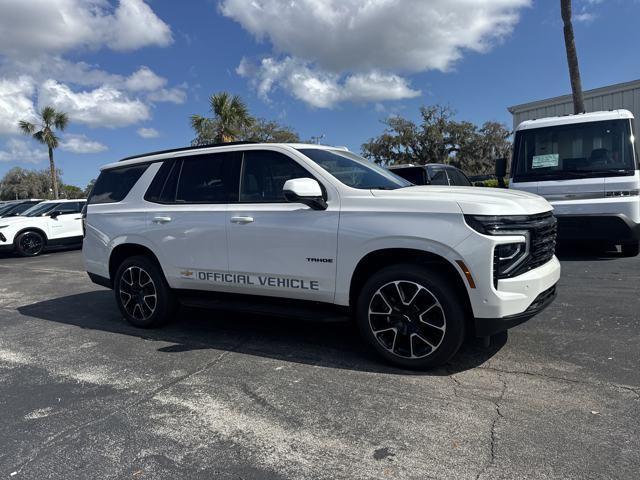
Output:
[[272, 307]]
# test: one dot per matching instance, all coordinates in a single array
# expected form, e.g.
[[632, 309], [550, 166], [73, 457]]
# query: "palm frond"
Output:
[[61, 120], [27, 128], [48, 115]]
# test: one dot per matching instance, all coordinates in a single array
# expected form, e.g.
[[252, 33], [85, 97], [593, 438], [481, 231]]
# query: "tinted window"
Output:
[[162, 188], [438, 176], [208, 178], [415, 175], [264, 173], [67, 208], [114, 184], [458, 178]]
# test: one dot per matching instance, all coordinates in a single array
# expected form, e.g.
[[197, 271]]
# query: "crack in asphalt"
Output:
[[492, 432], [634, 390], [65, 434]]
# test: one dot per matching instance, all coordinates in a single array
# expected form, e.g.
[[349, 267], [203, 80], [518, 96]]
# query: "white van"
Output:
[[586, 166]]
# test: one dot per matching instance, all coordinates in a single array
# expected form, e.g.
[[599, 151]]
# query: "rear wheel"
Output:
[[142, 293], [29, 244], [630, 249], [411, 316]]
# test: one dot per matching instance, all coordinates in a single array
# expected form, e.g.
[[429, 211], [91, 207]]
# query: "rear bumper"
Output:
[[614, 227], [485, 327]]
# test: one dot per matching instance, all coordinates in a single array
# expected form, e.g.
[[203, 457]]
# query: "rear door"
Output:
[[279, 248], [187, 220], [68, 223]]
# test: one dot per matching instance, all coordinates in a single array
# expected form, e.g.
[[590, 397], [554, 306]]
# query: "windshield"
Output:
[[40, 209], [574, 151], [6, 208], [355, 171]]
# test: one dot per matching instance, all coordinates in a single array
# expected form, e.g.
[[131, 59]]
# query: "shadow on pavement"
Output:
[[333, 345], [585, 251]]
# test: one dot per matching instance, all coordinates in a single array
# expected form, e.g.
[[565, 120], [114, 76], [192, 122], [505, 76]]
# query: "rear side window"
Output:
[[415, 175], [114, 184], [438, 176], [264, 173], [209, 178], [458, 178], [67, 208]]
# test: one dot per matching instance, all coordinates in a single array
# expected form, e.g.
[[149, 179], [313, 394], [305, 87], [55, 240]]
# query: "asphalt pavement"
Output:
[[217, 395]]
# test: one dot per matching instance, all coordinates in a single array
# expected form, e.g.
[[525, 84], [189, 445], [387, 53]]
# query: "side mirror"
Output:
[[306, 191], [55, 214], [501, 171]]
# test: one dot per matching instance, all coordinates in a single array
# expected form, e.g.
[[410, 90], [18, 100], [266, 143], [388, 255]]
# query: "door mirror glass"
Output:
[[306, 191], [501, 167]]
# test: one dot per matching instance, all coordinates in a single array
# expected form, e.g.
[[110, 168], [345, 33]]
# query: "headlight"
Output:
[[506, 256]]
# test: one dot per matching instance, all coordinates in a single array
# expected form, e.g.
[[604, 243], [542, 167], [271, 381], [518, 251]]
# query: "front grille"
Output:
[[542, 229]]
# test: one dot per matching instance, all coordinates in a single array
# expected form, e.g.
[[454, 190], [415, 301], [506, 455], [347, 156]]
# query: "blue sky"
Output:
[[322, 66]]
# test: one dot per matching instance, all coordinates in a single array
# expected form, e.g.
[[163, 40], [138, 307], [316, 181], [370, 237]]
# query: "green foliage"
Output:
[[493, 183], [89, 187], [232, 121], [439, 138], [22, 183], [71, 192]]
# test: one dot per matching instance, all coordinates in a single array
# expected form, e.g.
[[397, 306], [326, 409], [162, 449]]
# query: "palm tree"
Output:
[[572, 57], [44, 132], [230, 117]]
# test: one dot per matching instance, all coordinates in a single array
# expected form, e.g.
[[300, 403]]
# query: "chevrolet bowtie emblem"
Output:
[[187, 273]]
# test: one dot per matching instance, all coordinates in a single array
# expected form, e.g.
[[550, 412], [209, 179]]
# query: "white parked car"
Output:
[[46, 224], [305, 229]]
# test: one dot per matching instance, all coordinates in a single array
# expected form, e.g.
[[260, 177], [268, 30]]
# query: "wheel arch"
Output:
[[125, 250], [376, 260], [31, 229]]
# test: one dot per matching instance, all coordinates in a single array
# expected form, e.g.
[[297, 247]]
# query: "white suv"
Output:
[[46, 224], [299, 228]]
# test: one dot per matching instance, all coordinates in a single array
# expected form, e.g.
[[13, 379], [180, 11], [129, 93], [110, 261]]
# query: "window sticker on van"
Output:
[[545, 161]]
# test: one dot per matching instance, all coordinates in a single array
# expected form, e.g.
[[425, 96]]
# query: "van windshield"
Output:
[[590, 149]]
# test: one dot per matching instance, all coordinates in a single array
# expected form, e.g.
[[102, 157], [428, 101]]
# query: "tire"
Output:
[[630, 249], [142, 293], [29, 243], [426, 325]]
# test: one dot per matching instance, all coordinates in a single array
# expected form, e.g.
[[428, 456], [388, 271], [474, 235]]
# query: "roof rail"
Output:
[[186, 149]]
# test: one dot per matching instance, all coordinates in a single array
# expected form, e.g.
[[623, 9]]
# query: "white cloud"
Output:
[[144, 79], [22, 151], [354, 49], [175, 95], [322, 89], [104, 106], [56, 26], [148, 132], [348, 35], [15, 103], [81, 144]]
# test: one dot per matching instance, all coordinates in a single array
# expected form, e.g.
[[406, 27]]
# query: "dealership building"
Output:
[[622, 95]]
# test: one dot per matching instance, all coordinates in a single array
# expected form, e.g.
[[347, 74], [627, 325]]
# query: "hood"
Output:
[[13, 220], [474, 200]]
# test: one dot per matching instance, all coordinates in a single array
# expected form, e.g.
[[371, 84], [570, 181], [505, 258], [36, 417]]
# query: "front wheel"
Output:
[[142, 293], [411, 316], [29, 244]]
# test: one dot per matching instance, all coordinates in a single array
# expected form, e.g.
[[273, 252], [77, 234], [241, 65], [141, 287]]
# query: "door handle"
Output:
[[161, 219], [241, 220]]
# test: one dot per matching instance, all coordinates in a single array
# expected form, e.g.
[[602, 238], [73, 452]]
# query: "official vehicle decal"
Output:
[[266, 281]]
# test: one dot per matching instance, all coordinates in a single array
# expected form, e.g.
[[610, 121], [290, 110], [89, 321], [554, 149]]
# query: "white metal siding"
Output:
[[622, 95]]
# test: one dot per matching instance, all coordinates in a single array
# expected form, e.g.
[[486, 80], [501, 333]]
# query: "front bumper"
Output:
[[485, 327], [614, 227]]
